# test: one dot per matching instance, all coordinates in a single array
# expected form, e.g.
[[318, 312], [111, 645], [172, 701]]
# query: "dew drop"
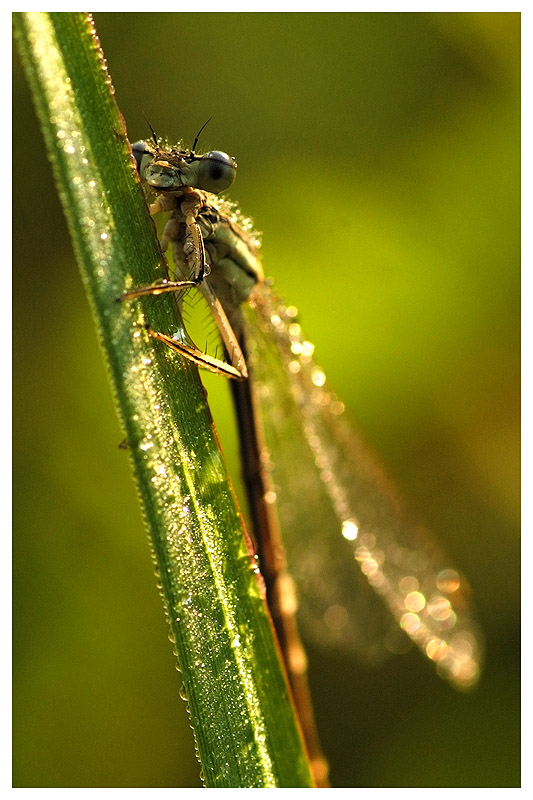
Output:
[[415, 601], [350, 530], [448, 581]]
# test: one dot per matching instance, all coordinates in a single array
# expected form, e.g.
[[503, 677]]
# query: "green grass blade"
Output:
[[240, 711]]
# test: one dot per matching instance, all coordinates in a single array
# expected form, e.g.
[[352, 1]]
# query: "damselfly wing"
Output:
[[348, 539]]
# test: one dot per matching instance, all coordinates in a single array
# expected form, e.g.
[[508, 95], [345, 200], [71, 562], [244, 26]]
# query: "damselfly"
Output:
[[354, 555]]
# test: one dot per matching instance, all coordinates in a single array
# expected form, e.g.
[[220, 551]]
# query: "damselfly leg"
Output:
[[190, 244]]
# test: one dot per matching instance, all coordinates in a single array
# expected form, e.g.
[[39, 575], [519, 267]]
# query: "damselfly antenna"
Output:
[[198, 135], [154, 136]]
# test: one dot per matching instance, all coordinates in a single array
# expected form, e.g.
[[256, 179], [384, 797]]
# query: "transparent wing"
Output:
[[355, 556]]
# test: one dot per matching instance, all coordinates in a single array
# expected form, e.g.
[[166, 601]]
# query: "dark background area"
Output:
[[379, 155]]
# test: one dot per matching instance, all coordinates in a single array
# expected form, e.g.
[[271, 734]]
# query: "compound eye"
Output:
[[139, 150], [215, 171]]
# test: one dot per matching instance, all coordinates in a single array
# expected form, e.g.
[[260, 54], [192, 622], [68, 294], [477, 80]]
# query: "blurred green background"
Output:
[[379, 155]]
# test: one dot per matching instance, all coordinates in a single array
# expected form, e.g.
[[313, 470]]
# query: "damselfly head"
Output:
[[172, 170]]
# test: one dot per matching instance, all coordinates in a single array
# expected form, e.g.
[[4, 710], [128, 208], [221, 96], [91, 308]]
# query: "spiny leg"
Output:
[[194, 250]]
